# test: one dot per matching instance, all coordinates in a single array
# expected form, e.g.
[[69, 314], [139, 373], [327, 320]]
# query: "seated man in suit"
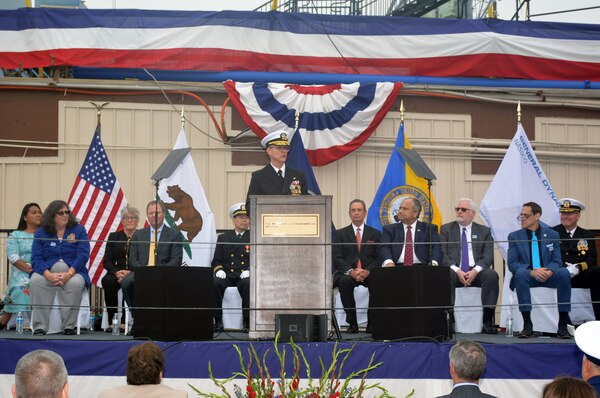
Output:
[[469, 252], [408, 242], [231, 263], [534, 260], [578, 250], [354, 255], [467, 364], [144, 251], [275, 178]]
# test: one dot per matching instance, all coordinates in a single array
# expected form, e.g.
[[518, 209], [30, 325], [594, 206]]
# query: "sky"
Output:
[[506, 8]]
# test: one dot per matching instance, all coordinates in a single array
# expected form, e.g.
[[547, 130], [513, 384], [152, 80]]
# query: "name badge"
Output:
[[52, 243], [550, 247]]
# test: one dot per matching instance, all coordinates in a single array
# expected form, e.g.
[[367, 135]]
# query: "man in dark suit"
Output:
[[231, 263], [578, 250], [408, 241], [467, 364], [534, 260], [469, 251], [354, 255], [275, 178], [169, 249]]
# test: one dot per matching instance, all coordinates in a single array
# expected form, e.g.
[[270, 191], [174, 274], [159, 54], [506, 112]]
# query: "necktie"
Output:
[[151, 251], [570, 234], [280, 173], [239, 236], [358, 239], [535, 252], [464, 251], [408, 248]]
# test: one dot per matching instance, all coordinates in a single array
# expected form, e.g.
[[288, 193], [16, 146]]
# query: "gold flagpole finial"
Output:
[[519, 111], [182, 117], [99, 107], [402, 111], [297, 120]]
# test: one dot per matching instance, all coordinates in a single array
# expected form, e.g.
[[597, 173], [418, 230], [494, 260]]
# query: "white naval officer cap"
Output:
[[586, 338], [237, 209], [276, 138], [570, 205]]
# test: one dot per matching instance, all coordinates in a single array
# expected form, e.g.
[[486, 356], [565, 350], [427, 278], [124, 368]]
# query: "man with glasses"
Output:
[[534, 260], [275, 178], [578, 250], [468, 249]]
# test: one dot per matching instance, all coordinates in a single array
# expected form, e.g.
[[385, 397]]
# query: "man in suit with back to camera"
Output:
[[578, 250], [231, 263], [468, 249], [467, 364], [407, 242], [41, 373], [355, 253], [586, 338], [169, 249], [276, 178], [534, 260]]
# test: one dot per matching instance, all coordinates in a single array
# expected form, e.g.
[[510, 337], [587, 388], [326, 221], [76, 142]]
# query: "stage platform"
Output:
[[96, 361]]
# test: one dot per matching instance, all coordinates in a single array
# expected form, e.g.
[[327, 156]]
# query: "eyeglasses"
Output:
[[281, 148], [463, 209], [130, 218], [63, 212], [524, 216]]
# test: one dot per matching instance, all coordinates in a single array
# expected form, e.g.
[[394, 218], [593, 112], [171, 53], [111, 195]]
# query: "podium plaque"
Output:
[[290, 258]]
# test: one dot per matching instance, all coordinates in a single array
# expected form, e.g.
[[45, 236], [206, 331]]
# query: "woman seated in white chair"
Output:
[[59, 255], [116, 261]]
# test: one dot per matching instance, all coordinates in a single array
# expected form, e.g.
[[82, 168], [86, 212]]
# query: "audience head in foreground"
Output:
[[145, 365], [41, 374], [568, 387]]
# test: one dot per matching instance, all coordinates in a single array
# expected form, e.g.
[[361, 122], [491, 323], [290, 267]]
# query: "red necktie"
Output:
[[408, 248], [358, 239]]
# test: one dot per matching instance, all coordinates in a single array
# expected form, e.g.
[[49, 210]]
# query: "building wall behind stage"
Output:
[[138, 137]]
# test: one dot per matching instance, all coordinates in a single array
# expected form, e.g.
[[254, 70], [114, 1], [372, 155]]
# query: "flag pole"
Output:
[[519, 111], [99, 107], [182, 118], [402, 111]]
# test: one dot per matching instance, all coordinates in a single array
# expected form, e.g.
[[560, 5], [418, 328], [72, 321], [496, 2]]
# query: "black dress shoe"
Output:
[[218, 325], [368, 329], [352, 329], [563, 332], [69, 332], [246, 327], [488, 328], [2, 326], [527, 332], [39, 332]]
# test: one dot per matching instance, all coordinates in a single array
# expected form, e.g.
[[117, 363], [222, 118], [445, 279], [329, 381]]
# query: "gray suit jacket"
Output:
[[467, 391], [169, 247], [482, 244]]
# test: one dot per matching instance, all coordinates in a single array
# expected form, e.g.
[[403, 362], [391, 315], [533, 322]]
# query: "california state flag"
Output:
[[188, 210]]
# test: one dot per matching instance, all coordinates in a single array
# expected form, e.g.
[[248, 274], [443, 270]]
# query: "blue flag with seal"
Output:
[[400, 182]]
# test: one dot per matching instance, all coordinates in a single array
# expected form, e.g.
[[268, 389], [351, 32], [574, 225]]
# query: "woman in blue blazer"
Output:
[[59, 257]]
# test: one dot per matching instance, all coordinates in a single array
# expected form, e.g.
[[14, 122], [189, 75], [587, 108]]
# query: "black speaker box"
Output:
[[301, 327], [423, 291], [178, 292]]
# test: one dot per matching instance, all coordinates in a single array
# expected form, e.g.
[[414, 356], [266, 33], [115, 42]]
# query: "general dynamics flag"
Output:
[[400, 182]]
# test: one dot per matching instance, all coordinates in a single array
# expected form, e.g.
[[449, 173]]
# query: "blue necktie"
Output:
[[535, 252], [464, 251]]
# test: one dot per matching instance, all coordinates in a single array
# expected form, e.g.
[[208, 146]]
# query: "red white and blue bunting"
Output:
[[334, 119]]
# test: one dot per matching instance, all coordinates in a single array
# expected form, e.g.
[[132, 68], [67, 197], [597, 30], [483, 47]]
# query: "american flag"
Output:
[[96, 200]]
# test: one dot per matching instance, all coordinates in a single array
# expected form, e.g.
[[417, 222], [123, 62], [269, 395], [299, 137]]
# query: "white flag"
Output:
[[188, 210], [519, 179]]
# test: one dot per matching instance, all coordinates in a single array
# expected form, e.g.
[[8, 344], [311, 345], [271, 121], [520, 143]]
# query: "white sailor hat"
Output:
[[276, 138], [586, 338], [570, 205], [237, 209]]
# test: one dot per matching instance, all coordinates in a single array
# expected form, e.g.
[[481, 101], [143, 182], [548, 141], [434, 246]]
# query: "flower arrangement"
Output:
[[263, 384]]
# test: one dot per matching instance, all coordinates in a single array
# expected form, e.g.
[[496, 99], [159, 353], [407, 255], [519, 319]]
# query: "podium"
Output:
[[422, 291], [178, 294], [290, 259]]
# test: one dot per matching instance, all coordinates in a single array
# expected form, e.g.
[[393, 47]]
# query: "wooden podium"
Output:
[[290, 257]]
